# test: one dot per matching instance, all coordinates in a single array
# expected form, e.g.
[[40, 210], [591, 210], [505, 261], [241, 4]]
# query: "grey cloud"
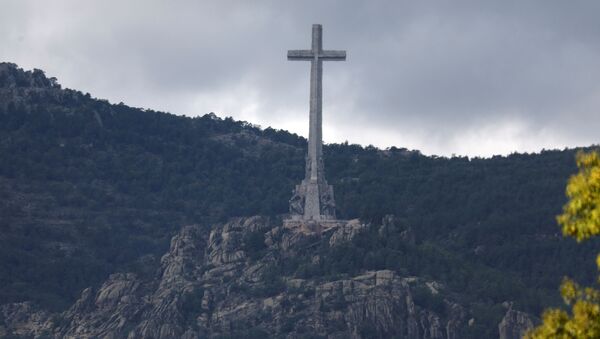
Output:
[[466, 77]]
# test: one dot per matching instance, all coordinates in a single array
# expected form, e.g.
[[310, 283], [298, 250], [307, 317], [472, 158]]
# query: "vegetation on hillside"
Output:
[[88, 188], [580, 219]]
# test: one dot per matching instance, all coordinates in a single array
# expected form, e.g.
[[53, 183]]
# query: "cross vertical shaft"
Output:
[[315, 137], [313, 198]]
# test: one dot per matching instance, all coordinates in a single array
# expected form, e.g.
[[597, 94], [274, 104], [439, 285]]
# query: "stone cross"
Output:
[[313, 198]]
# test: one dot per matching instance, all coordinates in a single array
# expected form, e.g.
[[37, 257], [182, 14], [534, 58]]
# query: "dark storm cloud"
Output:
[[465, 77]]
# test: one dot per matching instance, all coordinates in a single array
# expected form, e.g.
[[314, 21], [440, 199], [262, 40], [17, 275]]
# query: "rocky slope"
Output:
[[212, 284], [89, 188], [515, 324]]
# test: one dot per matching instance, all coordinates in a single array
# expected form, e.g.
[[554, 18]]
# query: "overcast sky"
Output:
[[470, 78]]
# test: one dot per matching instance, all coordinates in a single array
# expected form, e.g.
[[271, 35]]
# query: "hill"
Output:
[[89, 188]]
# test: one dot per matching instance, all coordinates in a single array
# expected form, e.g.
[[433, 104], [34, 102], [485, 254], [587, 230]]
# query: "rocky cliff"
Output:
[[212, 284], [515, 324]]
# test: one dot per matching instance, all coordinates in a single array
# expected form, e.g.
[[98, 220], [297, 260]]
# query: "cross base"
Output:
[[313, 226], [312, 200]]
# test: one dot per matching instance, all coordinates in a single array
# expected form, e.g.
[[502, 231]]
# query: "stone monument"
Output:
[[313, 200]]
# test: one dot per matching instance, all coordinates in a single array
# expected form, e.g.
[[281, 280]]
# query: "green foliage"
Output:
[[368, 330], [254, 244], [252, 333], [581, 215], [191, 305], [88, 188], [486, 318], [581, 220], [423, 297], [271, 283]]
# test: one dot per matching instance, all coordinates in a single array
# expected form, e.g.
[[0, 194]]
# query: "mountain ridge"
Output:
[[91, 188], [38, 78]]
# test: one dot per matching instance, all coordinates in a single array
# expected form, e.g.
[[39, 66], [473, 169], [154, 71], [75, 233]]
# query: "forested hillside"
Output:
[[88, 188]]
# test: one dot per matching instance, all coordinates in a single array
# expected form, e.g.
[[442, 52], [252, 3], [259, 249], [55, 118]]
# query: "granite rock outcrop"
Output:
[[515, 324], [218, 282]]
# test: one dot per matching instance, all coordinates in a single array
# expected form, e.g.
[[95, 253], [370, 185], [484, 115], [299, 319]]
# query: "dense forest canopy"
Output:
[[89, 188]]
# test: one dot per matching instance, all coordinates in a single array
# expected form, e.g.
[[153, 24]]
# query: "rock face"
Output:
[[515, 324], [23, 319], [218, 282], [346, 232]]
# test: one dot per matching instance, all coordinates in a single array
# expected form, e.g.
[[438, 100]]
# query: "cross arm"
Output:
[[300, 54], [333, 55]]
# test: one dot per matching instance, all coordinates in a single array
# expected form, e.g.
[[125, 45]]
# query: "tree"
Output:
[[580, 219]]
